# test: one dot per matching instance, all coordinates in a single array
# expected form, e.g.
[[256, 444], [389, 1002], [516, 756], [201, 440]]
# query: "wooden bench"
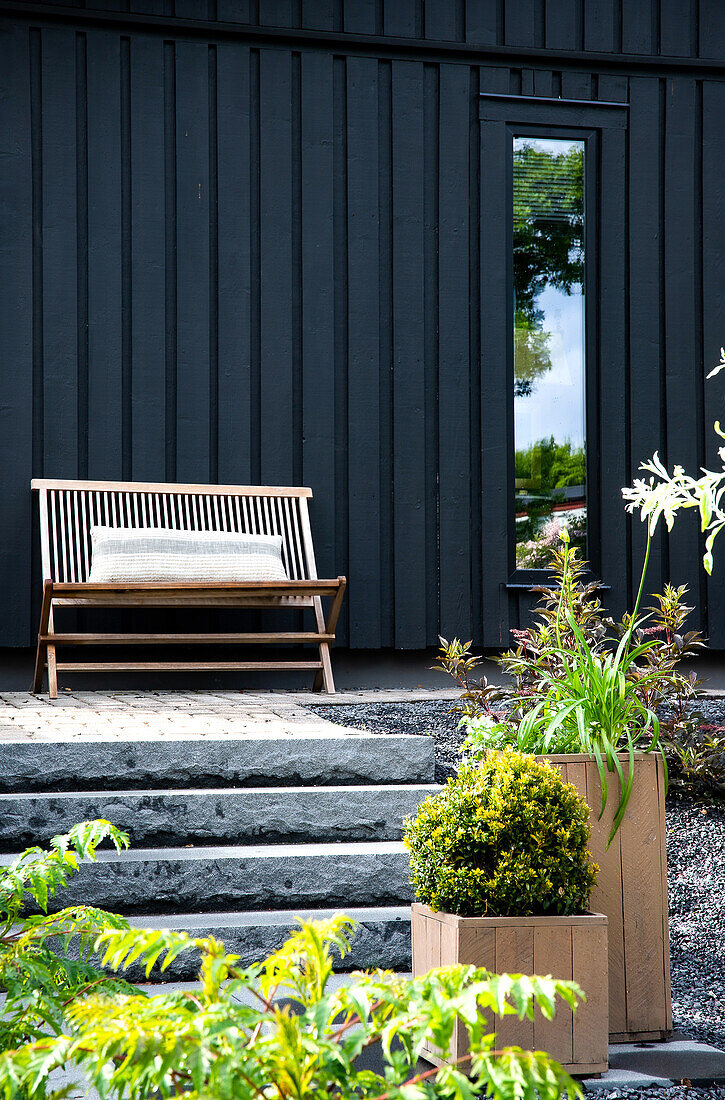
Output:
[[68, 510]]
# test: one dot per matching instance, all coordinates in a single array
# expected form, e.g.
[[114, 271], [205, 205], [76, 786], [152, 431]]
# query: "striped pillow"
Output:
[[129, 554]]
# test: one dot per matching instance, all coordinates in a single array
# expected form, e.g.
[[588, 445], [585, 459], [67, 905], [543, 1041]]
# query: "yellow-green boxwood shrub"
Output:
[[506, 837]]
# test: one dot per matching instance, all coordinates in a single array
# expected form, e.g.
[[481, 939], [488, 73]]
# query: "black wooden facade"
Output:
[[264, 241]]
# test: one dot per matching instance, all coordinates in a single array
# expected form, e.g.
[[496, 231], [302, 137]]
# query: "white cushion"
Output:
[[127, 554]]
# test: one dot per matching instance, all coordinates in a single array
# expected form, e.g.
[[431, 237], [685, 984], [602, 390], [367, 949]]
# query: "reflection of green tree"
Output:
[[542, 472], [548, 248], [547, 465]]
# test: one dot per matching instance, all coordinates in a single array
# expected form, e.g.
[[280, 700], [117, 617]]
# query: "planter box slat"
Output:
[[515, 950], [557, 1035], [632, 890], [561, 946], [587, 966]]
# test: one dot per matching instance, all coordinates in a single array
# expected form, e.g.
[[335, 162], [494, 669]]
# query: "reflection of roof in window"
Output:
[[548, 182]]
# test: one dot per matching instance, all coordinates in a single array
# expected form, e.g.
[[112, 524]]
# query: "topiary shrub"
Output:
[[504, 838]]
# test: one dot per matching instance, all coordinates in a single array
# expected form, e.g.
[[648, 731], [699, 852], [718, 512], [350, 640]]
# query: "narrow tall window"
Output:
[[549, 353]]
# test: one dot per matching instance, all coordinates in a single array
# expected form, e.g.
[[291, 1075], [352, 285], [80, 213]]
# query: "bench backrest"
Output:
[[68, 510]]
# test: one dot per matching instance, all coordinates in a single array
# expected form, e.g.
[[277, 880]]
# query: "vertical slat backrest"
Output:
[[67, 516]]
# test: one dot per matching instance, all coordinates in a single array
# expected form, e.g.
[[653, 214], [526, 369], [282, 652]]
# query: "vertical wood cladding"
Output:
[[233, 260]]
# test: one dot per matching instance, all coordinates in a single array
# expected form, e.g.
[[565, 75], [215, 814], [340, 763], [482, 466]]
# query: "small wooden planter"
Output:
[[632, 890], [564, 947]]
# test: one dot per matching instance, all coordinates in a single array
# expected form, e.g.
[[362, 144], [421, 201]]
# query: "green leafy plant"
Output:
[[44, 959], [697, 759], [272, 1031], [585, 683], [504, 838], [61, 1012]]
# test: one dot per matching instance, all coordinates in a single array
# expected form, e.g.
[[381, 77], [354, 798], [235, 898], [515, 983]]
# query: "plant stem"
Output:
[[641, 583]]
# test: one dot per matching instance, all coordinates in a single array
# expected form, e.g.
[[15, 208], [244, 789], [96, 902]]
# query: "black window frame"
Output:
[[602, 126]]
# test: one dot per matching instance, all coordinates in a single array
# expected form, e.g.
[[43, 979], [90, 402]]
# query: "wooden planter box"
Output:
[[565, 947], [632, 890]]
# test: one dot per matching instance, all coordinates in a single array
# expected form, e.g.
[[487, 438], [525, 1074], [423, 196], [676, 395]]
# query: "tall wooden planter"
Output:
[[632, 890], [565, 947]]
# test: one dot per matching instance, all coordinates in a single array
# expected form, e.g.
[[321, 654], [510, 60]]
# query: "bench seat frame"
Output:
[[67, 511]]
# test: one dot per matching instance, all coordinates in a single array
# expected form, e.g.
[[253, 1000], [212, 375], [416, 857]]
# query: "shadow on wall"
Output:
[[354, 669]]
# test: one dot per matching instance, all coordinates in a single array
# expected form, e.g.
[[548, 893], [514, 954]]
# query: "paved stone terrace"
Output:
[[154, 715]]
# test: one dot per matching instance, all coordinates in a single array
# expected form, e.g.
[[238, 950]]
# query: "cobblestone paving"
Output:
[[154, 715]]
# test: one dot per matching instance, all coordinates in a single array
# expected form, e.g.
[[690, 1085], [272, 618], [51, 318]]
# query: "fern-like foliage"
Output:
[[279, 1029], [46, 959]]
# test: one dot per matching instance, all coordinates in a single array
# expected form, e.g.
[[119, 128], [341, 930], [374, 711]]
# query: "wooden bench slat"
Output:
[[183, 666], [185, 639], [173, 487], [270, 588]]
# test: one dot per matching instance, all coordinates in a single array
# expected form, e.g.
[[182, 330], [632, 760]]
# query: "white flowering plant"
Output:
[[665, 494]]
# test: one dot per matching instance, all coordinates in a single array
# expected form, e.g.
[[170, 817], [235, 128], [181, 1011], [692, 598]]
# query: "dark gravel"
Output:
[[696, 866]]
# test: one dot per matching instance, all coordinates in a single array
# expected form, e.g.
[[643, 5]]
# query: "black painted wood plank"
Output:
[[319, 14], [678, 27], [192, 243], [408, 356], [276, 275], [612, 88], [496, 405], [576, 85], [60, 351], [193, 9], [712, 29], [564, 24], [104, 258], [16, 336], [544, 83], [445, 20], [276, 13], [318, 305], [401, 18], [611, 353], [148, 260], [150, 7], [236, 11], [526, 85], [600, 25], [683, 368], [645, 274], [454, 379], [361, 17], [713, 238], [520, 21], [483, 21], [234, 384], [494, 79], [387, 448], [639, 26], [363, 249], [431, 191]]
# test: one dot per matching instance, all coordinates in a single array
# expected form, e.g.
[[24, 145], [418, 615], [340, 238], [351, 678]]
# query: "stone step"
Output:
[[217, 815], [236, 761], [382, 937], [271, 876]]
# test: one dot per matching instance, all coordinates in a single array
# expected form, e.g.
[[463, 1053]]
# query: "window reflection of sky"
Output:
[[556, 405]]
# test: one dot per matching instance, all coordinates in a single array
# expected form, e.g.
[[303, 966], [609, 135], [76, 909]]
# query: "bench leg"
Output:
[[324, 677], [42, 650], [52, 670]]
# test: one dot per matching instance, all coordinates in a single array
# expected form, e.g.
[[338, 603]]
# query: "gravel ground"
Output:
[[696, 865]]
